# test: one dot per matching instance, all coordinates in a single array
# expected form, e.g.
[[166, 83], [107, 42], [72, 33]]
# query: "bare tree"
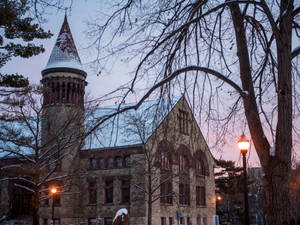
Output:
[[234, 59], [157, 163], [33, 150]]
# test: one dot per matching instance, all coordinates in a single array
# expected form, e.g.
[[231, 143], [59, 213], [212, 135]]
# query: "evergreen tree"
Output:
[[16, 36], [228, 180]]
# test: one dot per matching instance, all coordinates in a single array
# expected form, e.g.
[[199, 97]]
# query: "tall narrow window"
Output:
[[204, 220], [101, 163], [188, 221], [119, 162], [163, 221], [183, 122], [170, 220], [92, 192], [125, 190], [165, 161], [110, 163], [166, 192], [197, 195], [200, 196], [93, 163], [181, 220], [199, 167], [203, 196], [127, 161], [170, 191], [109, 191], [183, 163], [184, 194]]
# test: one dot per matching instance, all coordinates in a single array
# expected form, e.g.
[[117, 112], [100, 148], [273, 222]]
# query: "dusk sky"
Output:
[[114, 75]]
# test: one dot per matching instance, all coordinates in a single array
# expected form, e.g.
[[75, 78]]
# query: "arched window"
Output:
[[101, 163], [199, 167], [119, 162], [183, 163], [110, 163], [127, 161], [201, 163], [165, 161]]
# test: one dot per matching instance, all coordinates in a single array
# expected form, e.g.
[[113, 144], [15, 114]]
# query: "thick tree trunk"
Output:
[[276, 168], [36, 207]]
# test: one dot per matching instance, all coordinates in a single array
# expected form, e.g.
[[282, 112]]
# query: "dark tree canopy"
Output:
[[18, 30]]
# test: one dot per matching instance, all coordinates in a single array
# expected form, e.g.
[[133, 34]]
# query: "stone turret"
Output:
[[64, 84], [63, 77], [63, 104]]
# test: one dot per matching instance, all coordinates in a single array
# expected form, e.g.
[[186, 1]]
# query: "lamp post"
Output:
[[244, 144], [53, 191]]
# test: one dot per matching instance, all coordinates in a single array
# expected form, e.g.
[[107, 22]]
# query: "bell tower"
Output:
[[63, 77], [64, 84]]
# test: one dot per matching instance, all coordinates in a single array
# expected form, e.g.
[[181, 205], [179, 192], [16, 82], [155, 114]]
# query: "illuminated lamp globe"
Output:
[[243, 144], [53, 190]]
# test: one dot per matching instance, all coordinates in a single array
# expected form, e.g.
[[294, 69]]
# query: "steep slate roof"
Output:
[[130, 128], [64, 53]]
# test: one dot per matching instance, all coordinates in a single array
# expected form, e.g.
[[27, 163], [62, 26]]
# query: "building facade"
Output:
[[153, 161]]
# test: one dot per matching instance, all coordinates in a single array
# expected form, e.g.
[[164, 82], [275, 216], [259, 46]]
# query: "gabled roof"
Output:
[[130, 128], [64, 53]]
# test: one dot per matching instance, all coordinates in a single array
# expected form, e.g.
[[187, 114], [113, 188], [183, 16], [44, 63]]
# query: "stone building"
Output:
[[156, 152]]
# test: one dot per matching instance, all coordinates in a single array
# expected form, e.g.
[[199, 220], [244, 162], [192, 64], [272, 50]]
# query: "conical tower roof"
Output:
[[64, 55]]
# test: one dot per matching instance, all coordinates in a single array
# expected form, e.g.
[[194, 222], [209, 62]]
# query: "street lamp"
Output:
[[244, 144], [53, 191]]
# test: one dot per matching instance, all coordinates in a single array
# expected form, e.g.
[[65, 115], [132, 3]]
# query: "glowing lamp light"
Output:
[[219, 198], [243, 144], [53, 190]]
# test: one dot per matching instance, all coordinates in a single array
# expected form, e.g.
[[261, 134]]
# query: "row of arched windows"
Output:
[[110, 162], [71, 91], [185, 161]]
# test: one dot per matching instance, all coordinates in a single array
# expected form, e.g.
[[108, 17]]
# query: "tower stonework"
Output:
[[64, 87], [64, 84]]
